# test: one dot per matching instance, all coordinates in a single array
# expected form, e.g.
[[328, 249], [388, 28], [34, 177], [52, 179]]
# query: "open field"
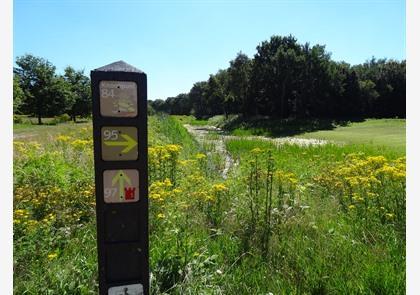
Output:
[[287, 219], [45, 132], [379, 132]]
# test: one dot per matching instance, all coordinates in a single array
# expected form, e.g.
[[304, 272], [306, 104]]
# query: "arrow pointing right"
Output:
[[129, 143]]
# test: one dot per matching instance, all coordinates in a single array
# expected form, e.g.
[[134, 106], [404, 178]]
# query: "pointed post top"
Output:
[[118, 66]]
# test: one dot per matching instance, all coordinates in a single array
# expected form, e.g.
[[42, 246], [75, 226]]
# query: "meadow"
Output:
[[289, 219], [376, 131]]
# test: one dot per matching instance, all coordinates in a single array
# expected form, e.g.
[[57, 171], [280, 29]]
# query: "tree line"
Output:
[[286, 79], [39, 91]]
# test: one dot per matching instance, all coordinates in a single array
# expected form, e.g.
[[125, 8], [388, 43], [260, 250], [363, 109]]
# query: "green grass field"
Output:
[[290, 219], [40, 132], [379, 132]]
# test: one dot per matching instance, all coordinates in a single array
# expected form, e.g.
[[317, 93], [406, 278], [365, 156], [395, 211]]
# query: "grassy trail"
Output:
[[210, 136]]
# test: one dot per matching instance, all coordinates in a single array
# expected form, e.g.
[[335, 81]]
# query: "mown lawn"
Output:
[[379, 132]]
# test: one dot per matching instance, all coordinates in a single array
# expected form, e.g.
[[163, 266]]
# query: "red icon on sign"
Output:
[[129, 193]]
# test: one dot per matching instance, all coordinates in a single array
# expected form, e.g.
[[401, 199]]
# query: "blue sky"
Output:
[[179, 42]]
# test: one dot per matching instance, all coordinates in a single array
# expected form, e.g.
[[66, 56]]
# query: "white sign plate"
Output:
[[135, 289], [118, 98], [121, 186]]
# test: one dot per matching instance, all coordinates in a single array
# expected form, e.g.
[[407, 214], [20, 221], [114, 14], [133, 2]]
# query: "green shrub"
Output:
[[62, 118]]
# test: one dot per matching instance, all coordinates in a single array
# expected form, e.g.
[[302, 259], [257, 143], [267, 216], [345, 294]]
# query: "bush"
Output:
[[17, 119], [21, 119], [62, 118]]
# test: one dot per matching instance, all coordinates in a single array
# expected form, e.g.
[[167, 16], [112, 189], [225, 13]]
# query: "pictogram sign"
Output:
[[118, 98], [134, 289], [121, 186]]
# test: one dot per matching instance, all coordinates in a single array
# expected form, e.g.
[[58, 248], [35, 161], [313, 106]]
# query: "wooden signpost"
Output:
[[119, 93]]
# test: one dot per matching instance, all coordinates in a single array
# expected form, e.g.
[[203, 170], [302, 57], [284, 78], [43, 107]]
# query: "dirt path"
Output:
[[210, 135], [23, 136], [202, 135]]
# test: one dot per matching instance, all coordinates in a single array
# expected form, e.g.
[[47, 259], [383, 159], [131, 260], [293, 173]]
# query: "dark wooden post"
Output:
[[119, 94]]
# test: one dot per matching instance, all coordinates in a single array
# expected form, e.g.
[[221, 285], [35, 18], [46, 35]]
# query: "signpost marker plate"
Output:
[[119, 143], [119, 93], [118, 98], [135, 289], [121, 186]]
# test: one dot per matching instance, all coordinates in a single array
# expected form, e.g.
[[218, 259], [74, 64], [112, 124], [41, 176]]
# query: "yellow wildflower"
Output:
[[220, 187], [168, 182], [80, 143], [35, 145], [210, 198], [378, 160], [256, 151], [63, 138], [389, 216], [200, 156], [173, 148], [154, 196], [52, 256]]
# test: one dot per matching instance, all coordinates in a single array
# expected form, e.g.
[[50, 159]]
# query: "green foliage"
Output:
[[197, 95], [62, 118], [169, 130], [286, 79], [17, 119], [179, 105], [204, 236], [238, 80], [18, 94], [191, 120], [79, 84], [54, 214], [37, 80], [38, 91]]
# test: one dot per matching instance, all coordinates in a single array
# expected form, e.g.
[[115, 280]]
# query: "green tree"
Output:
[[287, 79], [45, 93], [80, 95], [369, 95], [60, 97], [276, 66], [216, 93], [18, 95], [239, 73], [387, 98], [197, 96], [159, 105]]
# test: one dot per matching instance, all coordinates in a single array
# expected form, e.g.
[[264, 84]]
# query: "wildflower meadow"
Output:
[[285, 219]]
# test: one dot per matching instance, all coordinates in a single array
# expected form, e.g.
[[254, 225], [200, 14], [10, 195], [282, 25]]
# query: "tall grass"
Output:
[[287, 220]]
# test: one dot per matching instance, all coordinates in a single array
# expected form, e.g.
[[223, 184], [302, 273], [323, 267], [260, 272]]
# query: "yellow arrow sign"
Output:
[[129, 143]]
